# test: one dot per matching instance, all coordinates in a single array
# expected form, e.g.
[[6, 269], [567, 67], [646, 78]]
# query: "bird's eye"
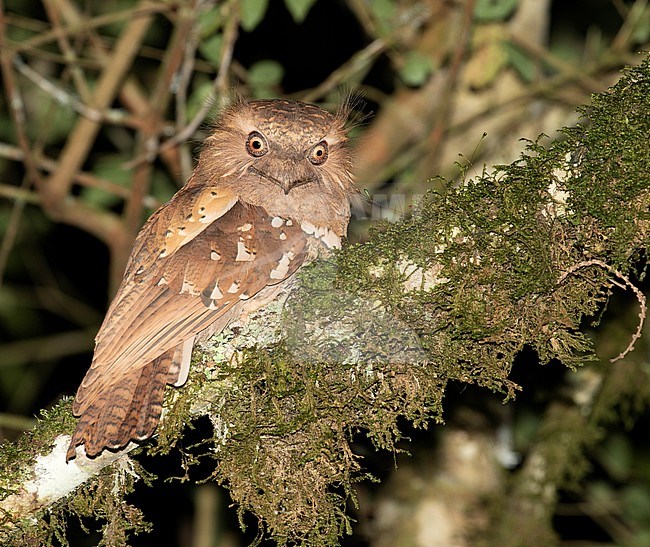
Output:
[[256, 144], [318, 154]]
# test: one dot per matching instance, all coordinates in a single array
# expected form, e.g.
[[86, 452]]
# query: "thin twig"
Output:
[[63, 97], [17, 193], [82, 178], [145, 9], [578, 74], [83, 135], [70, 55], [149, 134], [544, 88], [637, 292], [220, 84], [623, 38], [17, 109], [444, 109], [101, 224], [360, 61], [182, 83], [131, 93], [48, 348]]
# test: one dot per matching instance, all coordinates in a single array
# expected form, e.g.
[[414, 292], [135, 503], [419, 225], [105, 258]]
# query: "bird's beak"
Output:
[[286, 185]]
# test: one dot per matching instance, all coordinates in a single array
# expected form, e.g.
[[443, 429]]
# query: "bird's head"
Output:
[[282, 155]]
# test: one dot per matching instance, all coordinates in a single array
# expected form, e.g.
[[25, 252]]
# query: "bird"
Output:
[[270, 192]]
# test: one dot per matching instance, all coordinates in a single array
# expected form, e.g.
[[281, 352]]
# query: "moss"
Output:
[[285, 414], [103, 500], [504, 250], [16, 458], [100, 499]]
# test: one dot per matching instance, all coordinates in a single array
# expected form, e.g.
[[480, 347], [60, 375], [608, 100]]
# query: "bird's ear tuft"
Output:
[[349, 113]]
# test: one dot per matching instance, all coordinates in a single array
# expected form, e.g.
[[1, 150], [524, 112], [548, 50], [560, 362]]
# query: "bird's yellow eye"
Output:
[[256, 144], [318, 154]]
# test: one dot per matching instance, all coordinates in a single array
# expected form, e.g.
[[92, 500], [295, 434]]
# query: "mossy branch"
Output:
[[516, 257]]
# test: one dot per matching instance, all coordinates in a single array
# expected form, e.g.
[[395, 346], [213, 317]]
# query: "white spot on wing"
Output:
[[216, 293], [280, 272], [214, 255], [243, 254], [245, 227], [188, 287], [276, 222], [332, 240], [162, 281], [233, 288], [308, 227], [327, 236]]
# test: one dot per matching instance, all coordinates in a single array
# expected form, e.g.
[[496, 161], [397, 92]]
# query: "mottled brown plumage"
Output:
[[269, 192]]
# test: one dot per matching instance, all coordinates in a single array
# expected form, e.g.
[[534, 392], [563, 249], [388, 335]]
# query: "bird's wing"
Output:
[[178, 284], [190, 211]]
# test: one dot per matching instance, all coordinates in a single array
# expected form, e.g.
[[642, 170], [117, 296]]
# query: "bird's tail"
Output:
[[127, 409]]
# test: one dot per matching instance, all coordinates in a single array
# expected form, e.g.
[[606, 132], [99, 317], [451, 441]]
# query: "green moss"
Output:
[[16, 458], [103, 500], [505, 253]]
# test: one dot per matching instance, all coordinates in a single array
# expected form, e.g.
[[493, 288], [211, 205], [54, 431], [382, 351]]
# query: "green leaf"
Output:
[[641, 33], [636, 502], [600, 492], [110, 167], [210, 22], [211, 48], [615, 455], [264, 77], [383, 9], [252, 12], [299, 8], [521, 62], [416, 69], [202, 92], [383, 12], [265, 73], [494, 10]]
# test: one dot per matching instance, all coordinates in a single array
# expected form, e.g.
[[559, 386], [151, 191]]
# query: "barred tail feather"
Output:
[[125, 411]]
